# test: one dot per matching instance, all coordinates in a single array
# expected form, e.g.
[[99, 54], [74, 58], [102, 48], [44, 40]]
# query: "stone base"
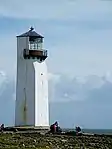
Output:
[[28, 128], [42, 127], [32, 127]]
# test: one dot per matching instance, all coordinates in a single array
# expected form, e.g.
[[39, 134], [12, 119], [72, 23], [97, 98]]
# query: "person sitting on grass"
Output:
[[2, 127], [54, 128], [78, 130]]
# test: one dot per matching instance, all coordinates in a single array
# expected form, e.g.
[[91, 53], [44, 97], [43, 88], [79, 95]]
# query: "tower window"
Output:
[[33, 46], [35, 43]]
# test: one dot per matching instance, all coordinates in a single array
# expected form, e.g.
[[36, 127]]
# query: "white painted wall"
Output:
[[41, 95], [33, 87]]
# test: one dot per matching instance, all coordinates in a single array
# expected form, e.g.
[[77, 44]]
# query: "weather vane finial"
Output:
[[31, 28]]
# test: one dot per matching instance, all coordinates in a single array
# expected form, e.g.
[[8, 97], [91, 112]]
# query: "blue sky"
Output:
[[78, 36]]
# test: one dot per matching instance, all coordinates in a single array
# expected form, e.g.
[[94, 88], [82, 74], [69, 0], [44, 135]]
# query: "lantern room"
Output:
[[35, 46]]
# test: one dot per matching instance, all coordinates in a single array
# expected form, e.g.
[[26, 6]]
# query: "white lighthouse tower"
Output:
[[32, 83]]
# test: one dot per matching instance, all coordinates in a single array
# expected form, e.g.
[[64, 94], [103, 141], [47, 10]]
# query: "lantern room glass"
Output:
[[35, 44]]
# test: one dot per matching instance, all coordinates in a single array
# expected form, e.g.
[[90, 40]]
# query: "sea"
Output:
[[98, 131], [94, 131]]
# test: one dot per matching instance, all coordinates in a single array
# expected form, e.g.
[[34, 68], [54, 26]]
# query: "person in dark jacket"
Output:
[[2, 127], [54, 128], [78, 130]]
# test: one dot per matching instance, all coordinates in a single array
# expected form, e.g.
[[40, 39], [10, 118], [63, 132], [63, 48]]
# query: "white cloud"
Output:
[[62, 88], [53, 77], [3, 79], [81, 58], [8, 54], [2, 74], [76, 88], [108, 76], [64, 9]]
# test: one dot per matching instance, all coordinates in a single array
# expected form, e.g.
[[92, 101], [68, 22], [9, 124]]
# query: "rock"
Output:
[[23, 145], [64, 140], [34, 140]]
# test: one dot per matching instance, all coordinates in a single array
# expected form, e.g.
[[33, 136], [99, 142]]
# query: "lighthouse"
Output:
[[31, 107]]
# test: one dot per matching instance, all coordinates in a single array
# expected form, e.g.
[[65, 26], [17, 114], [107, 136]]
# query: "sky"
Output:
[[78, 36]]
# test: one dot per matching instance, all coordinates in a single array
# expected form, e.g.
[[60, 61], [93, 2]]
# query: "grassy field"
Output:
[[37, 141]]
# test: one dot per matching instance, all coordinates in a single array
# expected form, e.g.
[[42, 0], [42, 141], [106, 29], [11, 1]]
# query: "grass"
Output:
[[37, 141]]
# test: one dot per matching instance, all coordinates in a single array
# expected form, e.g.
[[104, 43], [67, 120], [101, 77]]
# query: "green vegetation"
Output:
[[38, 141]]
